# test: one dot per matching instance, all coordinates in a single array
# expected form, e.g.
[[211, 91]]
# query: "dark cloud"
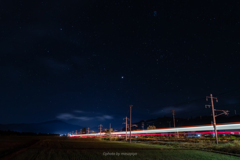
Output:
[[68, 116]]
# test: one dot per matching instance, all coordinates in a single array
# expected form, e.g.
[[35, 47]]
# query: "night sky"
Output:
[[84, 62]]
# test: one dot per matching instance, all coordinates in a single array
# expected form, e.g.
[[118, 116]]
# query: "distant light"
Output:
[[122, 77]]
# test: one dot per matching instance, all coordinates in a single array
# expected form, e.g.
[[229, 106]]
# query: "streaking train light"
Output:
[[200, 129]]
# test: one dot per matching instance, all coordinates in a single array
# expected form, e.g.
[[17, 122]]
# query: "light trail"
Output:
[[203, 129], [159, 134]]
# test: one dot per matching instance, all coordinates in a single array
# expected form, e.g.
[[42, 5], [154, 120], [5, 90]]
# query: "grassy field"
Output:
[[9, 144], [62, 148]]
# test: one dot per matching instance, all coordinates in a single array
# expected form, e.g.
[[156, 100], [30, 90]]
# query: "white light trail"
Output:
[[229, 126]]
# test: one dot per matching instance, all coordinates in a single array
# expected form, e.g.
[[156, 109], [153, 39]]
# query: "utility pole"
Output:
[[110, 132], [173, 113], [213, 114], [100, 127], [88, 130], [130, 126], [143, 125], [126, 126]]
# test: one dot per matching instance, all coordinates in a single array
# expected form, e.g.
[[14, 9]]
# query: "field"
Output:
[[63, 148]]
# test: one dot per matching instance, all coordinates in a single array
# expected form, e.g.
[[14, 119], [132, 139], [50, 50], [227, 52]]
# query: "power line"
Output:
[[198, 99], [187, 102], [195, 100], [231, 91]]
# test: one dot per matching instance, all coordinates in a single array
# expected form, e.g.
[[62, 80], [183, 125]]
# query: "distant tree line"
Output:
[[12, 133], [151, 127]]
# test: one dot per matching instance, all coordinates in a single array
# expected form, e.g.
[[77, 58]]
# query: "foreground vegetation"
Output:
[[10, 144], [63, 148], [230, 147], [227, 144], [221, 138]]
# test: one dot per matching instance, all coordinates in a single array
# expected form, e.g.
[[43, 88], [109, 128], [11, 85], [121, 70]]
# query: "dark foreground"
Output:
[[62, 148]]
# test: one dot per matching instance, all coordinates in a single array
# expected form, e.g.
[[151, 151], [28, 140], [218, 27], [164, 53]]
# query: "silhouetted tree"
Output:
[[84, 131], [108, 130], [151, 127]]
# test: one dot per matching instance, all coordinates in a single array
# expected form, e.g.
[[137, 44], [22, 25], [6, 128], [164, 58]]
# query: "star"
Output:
[[122, 77]]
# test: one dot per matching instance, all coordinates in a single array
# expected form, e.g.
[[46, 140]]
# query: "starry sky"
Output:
[[85, 62]]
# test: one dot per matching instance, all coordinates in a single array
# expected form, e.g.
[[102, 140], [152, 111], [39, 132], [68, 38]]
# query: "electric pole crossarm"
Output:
[[219, 114], [221, 110], [210, 97], [226, 112]]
